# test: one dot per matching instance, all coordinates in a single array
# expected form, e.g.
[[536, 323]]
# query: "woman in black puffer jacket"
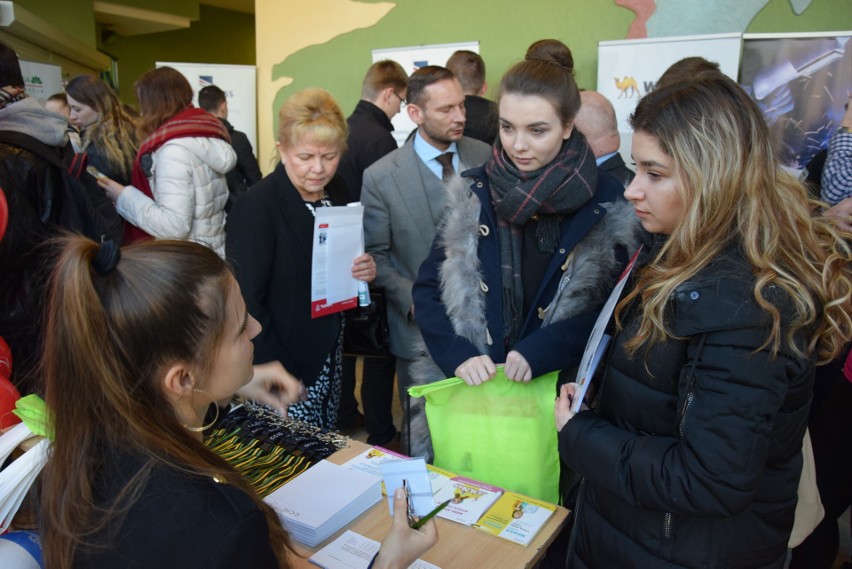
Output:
[[692, 456]]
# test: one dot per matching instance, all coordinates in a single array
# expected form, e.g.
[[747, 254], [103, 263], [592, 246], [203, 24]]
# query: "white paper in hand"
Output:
[[596, 346]]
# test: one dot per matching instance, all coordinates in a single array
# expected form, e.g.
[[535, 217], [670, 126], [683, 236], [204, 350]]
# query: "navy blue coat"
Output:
[[555, 347]]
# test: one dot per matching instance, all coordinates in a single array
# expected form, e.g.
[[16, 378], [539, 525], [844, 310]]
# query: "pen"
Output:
[[430, 515]]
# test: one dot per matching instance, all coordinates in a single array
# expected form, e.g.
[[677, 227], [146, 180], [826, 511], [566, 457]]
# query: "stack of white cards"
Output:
[[322, 500]]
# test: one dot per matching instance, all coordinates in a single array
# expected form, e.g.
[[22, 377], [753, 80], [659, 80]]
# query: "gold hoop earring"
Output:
[[203, 428]]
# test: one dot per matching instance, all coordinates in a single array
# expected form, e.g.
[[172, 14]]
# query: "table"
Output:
[[458, 547]]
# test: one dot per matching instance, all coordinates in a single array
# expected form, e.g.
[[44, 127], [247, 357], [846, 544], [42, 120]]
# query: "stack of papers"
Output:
[[322, 500], [354, 551]]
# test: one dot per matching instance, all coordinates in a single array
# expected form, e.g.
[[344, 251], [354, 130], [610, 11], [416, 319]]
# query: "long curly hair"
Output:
[[109, 339], [734, 194], [115, 132]]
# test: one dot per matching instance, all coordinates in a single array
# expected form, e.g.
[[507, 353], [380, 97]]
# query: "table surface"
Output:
[[458, 547]]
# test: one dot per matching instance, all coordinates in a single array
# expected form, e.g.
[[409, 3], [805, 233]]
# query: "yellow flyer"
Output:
[[516, 517]]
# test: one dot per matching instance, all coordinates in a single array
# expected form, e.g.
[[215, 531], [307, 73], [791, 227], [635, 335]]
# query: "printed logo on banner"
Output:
[[205, 81]]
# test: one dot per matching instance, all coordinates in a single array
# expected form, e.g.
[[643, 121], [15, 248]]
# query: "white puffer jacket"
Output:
[[188, 184]]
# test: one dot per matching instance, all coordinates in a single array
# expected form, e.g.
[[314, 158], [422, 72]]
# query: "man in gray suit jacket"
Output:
[[403, 198]]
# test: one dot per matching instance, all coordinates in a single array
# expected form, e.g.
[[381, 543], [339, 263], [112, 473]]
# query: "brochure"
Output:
[[469, 499], [516, 517]]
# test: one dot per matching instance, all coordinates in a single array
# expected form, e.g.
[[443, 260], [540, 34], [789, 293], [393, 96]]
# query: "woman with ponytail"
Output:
[[691, 456], [143, 346]]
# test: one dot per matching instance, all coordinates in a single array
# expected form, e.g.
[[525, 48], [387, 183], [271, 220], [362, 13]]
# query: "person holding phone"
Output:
[[178, 188]]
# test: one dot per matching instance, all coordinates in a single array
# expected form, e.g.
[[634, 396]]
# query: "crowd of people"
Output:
[[142, 295]]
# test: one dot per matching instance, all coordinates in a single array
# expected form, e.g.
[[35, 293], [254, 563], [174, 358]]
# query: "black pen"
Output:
[[419, 523]]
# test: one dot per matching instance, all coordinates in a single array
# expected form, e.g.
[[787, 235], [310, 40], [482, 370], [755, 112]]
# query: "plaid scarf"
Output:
[[188, 123], [9, 95], [560, 188]]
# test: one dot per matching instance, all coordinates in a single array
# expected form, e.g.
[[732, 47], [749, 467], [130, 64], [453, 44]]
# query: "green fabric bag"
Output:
[[501, 432]]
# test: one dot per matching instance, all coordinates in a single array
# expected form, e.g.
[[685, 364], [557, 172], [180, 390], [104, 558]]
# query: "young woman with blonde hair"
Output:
[[143, 345], [692, 455], [109, 133]]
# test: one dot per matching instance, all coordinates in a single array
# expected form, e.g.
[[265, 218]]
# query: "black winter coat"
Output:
[[695, 460]]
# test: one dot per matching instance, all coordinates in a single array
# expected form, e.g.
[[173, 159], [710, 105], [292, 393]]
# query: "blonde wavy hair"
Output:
[[734, 194], [115, 131], [312, 113]]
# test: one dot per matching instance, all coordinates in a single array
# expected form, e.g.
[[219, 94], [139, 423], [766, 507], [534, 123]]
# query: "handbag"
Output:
[[500, 432], [365, 332]]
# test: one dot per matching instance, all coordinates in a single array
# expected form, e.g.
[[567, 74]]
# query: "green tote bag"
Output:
[[501, 432]]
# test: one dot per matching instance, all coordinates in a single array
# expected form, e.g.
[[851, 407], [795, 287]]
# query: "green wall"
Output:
[[220, 36], [504, 28], [74, 17]]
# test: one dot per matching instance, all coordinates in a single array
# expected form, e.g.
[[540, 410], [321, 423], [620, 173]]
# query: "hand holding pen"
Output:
[[402, 541]]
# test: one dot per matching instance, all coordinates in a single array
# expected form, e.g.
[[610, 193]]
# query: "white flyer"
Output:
[[598, 341], [338, 240]]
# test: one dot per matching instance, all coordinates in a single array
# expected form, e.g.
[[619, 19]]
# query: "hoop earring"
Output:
[[203, 428]]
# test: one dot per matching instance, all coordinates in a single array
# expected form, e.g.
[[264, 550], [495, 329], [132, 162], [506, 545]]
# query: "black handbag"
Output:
[[366, 329]]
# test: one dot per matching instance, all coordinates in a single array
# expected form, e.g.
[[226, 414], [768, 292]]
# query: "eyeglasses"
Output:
[[401, 100]]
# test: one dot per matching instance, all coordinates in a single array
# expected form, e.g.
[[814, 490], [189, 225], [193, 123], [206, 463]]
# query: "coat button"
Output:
[[694, 295]]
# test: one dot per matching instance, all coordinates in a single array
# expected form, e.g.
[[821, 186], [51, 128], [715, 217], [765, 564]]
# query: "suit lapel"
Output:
[[412, 191]]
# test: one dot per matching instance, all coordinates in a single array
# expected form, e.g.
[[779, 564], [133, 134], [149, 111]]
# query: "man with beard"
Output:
[[403, 197]]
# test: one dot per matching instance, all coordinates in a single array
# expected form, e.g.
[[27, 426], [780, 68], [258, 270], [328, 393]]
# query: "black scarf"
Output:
[[560, 188]]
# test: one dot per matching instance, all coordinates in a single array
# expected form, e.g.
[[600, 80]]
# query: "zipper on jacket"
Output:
[[687, 403], [573, 537], [667, 526]]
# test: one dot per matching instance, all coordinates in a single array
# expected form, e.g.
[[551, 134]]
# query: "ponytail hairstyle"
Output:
[[547, 74], [115, 132], [734, 194], [115, 323]]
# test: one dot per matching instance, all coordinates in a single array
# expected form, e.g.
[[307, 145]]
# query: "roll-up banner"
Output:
[[41, 80], [239, 82], [629, 69], [413, 58]]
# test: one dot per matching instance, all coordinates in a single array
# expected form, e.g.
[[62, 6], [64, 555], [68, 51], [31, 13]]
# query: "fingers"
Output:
[[364, 268], [400, 509], [517, 368], [562, 410], [477, 370]]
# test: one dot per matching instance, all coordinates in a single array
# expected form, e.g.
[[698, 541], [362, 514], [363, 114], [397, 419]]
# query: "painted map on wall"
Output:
[[659, 18]]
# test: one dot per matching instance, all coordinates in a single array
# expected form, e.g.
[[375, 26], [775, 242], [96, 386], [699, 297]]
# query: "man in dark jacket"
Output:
[[596, 119], [481, 114], [370, 128], [246, 173], [42, 202], [370, 138]]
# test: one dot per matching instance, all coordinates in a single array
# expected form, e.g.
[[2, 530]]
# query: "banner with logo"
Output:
[[801, 82], [239, 82], [629, 69], [413, 58], [41, 80]]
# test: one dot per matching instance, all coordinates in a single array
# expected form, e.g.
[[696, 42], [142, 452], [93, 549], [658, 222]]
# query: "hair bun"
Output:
[[551, 51]]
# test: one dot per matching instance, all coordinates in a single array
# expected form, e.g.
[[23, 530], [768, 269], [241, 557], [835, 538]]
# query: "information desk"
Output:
[[458, 547]]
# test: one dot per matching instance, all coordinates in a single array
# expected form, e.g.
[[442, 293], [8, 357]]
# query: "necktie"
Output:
[[446, 162]]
